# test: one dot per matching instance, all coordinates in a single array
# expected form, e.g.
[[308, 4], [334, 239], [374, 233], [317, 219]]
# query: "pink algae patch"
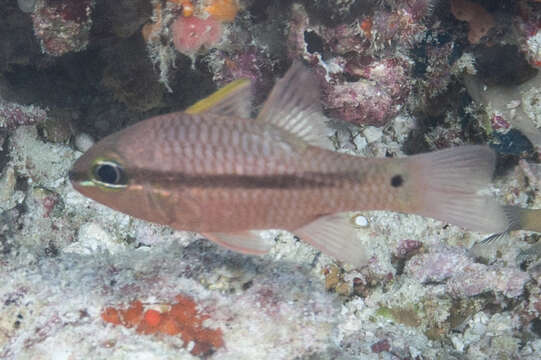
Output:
[[190, 34], [183, 319]]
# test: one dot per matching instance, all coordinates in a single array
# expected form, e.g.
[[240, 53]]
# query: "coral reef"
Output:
[[132, 81], [528, 26], [13, 115], [366, 66], [61, 25], [479, 20], [510, 106], [463, 276], [397, 78]]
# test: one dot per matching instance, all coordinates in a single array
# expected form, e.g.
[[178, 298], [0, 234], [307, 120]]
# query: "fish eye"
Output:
[[109, 174]]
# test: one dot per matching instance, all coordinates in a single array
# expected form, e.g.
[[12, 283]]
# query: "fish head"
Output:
[[119, 172], [102, 173]]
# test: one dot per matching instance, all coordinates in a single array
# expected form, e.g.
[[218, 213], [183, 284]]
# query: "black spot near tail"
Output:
[[397, 181]]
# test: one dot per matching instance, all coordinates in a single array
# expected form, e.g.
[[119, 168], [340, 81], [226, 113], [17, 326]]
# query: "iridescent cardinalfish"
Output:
[[214, 170]]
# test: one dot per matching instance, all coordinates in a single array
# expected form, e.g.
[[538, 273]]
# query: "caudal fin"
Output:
[[447, 184], [518, 219], [523, 219]]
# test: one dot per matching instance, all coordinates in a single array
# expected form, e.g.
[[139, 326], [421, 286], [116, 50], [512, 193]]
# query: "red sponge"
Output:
[[192, 33]]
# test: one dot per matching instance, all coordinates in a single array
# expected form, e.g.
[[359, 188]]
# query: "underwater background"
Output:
[[81, 281]]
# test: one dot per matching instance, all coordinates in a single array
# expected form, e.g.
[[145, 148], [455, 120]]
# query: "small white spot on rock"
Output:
[[83, 142], [360, 221]]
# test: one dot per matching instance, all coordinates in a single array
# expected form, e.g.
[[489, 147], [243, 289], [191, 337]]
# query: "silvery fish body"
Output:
[[214, 170]]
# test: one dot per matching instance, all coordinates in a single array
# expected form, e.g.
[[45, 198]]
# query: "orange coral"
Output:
[[366, 26], [479, 20], [223, 10], [186, 5], [152, 317], [133, 315], [111, 315], [187, 8], [182, 319]]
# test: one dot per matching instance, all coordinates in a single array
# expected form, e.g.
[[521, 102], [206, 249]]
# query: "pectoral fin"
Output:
[[246, 242], [335, 235]]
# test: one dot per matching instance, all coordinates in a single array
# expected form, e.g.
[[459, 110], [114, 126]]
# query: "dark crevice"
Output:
[[314, 42]]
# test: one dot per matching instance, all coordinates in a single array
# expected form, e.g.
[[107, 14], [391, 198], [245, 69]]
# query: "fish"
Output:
[[214, 169]]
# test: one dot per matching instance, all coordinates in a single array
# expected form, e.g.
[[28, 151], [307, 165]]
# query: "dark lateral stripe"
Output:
[[298, 181], [306, 180]]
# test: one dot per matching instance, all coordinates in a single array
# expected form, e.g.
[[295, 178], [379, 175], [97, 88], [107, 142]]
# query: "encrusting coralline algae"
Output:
[[65, 259]]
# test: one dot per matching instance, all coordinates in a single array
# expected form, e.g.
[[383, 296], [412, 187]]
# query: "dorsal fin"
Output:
[[294, 106], [234, 99]]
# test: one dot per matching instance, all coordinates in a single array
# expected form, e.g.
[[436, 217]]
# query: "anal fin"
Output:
[[246, 242], [335, 235]]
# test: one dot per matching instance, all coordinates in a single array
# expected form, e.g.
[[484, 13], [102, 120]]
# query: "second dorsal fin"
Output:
[[294, 106]]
